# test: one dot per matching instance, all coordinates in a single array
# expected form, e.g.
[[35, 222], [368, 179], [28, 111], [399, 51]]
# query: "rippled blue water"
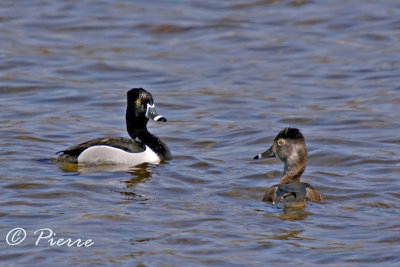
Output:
[[228, 75]]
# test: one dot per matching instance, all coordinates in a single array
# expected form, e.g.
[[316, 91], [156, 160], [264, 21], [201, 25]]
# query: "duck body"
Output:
[[291, 192], [140, 148], [111, 150], [289, 146]]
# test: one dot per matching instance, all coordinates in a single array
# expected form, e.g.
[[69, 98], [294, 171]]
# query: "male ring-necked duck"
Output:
[[143, 147], [289, 146]]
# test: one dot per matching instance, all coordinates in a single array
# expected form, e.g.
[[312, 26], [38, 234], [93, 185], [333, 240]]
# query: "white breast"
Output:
[[111, 155]]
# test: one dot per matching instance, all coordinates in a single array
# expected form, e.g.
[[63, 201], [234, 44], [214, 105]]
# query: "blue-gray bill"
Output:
[[267, 154], [152, 114]]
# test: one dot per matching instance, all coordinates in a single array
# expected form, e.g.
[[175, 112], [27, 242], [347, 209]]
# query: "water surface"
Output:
[[229, 76]]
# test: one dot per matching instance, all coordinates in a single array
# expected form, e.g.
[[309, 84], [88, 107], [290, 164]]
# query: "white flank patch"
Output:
[[111, 155]]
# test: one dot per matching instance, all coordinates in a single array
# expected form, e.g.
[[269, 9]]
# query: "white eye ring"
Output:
[[281, 142]]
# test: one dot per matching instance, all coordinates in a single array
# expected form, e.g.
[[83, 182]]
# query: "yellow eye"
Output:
[[281, 142], [138, 102]]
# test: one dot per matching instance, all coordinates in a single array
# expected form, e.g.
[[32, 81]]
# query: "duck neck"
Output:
[[137, 129], [293, 172]]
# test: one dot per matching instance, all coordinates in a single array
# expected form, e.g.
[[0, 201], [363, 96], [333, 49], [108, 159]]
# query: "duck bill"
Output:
[[152, 114], [267, 154]]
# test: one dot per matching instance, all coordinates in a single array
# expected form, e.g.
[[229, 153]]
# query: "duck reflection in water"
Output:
[[289, 146], [140, 174], [294, 212]]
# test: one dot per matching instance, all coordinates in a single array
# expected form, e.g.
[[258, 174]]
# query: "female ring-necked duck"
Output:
[[289, 146], [143, 147]]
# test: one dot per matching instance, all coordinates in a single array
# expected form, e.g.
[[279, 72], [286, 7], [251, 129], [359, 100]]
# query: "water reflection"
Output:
[[140, 174], [294, 212], [289, 235], [142, 170], [68, 166], [229, 75], [286, 211]]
